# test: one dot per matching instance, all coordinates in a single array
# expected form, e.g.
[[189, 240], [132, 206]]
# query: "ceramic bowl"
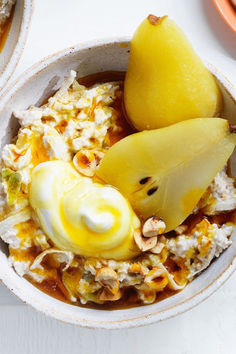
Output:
[[15, 42], [227, 12], [32, 88]]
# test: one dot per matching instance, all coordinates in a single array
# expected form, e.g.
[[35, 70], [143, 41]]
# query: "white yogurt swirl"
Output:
[[80, 215]]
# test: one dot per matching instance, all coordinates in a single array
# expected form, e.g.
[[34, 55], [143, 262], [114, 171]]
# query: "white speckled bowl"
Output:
[[14, 45], [33, 87]]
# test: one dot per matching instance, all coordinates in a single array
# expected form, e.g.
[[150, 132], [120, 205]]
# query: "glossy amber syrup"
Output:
[[111, 76], [6, 30], [55, 287]]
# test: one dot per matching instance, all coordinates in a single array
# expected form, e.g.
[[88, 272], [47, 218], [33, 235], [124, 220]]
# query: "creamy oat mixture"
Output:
[[79, 122]]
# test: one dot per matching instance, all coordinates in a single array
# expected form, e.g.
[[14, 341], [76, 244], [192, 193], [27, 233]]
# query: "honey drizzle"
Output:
[[6, 30], [101, 78], [55, 288]]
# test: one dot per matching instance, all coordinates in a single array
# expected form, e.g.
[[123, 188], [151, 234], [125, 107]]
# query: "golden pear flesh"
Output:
[[166, 82], [165, 172]]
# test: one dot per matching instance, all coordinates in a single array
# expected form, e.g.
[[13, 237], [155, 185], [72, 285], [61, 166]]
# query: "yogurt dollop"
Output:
[[80, 215]]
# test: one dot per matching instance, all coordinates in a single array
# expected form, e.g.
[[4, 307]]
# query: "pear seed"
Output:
[[144, 180], [152, 190]]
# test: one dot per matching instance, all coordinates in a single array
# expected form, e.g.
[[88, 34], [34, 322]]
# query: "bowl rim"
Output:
[[11, 65], [140, 320]]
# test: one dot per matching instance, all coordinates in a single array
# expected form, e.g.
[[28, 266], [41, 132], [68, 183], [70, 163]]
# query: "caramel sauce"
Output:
[[38, 151], [6, 29], [222, 218], [100, 78], [178, 269], [61, 127], [122, 121], [54, 286]]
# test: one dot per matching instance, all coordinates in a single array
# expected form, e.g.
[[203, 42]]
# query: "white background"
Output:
[[208, 328]]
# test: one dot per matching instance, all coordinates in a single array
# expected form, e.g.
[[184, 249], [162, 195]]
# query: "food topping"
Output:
[[108, 278], [144, 244], [153, 226], [80, 239]]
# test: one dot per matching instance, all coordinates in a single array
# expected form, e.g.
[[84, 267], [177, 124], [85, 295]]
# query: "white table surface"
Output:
[[208, 328]]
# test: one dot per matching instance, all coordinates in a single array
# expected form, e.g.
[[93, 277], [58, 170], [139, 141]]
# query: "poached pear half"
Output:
[[166, 82], [165, 172]]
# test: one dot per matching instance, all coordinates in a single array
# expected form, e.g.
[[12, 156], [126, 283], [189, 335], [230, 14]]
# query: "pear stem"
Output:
[[232, 128], [153, 19]]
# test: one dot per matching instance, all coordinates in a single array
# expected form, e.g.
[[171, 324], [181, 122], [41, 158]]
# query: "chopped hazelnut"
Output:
[[153, 226], [106, 295], [85, 162], [144, 244], [156, 279], [158, 248], [108, 278]]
